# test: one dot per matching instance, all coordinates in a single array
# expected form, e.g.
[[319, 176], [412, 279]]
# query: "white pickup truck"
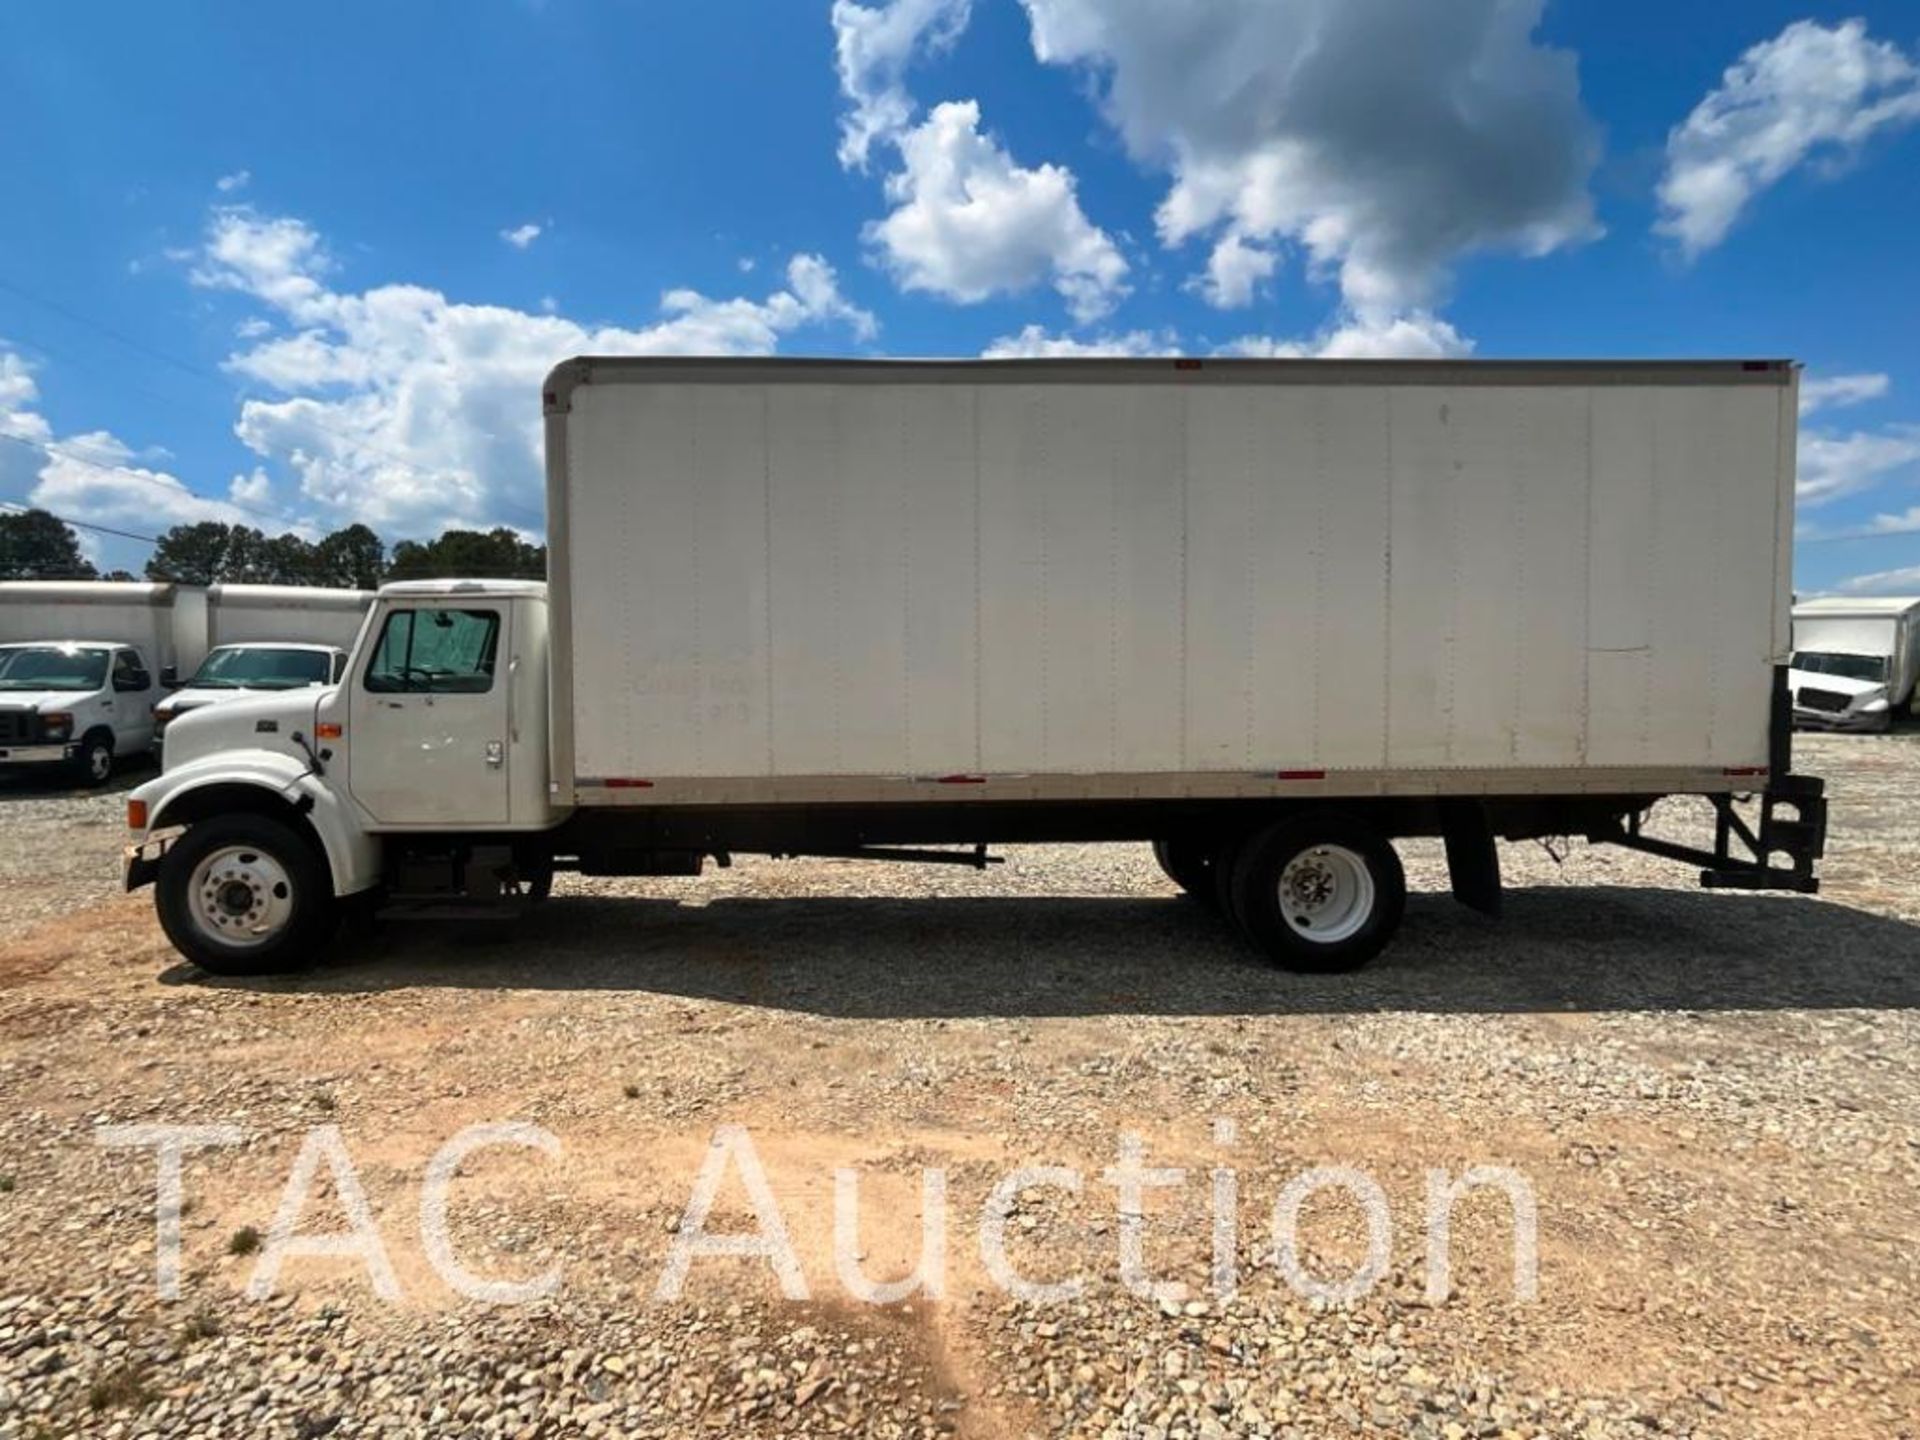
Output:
[[1269, 616], [73, 705]]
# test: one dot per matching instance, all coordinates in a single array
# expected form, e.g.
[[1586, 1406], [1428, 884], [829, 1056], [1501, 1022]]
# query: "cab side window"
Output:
[[128, 675], [435, 652]]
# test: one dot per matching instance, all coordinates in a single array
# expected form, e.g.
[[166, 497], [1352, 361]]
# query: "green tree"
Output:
[[288, 560], [350, 559], [192, 554], [35, 545], [497, 554]]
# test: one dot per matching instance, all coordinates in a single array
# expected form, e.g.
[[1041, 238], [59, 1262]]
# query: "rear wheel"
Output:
[[245, 895], [1189, 864], [1319, 892]]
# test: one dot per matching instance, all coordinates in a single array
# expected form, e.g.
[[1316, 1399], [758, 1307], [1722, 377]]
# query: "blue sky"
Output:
[[294, 267]]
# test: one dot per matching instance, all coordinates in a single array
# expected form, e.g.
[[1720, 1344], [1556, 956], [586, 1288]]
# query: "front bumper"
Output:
[[140, 861], [37, 754], [1849, 720]]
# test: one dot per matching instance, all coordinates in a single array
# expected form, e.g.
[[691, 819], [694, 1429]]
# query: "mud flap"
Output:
[[1473, 861]]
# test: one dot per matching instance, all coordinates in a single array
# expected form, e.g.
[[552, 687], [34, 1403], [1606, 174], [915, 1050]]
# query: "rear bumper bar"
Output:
[[1790, 825]]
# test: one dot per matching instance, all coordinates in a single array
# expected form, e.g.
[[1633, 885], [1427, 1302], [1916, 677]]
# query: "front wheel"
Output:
[[1319, 893], [1188, 864], [93, 762], [245, 895]]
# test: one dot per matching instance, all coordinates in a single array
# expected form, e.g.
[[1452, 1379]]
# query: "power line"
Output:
[[63, 451], [198, 371], [1854, 535], [19, 509]]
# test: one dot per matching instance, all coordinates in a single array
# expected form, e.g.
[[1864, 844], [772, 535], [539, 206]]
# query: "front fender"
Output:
[[353, 856]]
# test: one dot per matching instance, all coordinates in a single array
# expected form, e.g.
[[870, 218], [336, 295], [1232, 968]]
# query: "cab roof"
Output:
[[536, 588]]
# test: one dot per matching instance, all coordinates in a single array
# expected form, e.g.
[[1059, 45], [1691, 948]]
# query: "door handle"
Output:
[[496, 754]]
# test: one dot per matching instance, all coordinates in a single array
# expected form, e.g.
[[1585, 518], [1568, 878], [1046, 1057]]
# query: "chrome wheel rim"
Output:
[[241, 896], [99, 762], [1326, 893]]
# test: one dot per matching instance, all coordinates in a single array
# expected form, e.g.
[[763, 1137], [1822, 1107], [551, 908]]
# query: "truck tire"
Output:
[[245, 895], [93, 761], [1188, 864], [1319, 893]]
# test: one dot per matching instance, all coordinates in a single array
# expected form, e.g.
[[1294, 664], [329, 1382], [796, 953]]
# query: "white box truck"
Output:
[[1269, 616], [84, 665], [1854, 662]]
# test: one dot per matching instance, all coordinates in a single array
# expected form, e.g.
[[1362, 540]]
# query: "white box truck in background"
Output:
[[298, 614], [84, 664], [1854, 662], [1269, 616]]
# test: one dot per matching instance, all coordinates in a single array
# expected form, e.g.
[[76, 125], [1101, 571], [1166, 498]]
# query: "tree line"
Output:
[[35, 545]]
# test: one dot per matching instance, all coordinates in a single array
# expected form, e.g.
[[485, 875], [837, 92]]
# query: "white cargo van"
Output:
[[1854, 662], [1269, 616], [247, 668], [74, 705]]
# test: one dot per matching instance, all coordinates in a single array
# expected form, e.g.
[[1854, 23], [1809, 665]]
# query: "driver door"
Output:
[[427, 722], [131, 700]]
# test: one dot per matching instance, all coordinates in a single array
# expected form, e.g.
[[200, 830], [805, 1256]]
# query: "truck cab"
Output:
[[272, 807], [1855, 661], [73, 706]]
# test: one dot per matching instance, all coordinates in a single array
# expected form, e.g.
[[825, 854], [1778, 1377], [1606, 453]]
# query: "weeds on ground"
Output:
[[202, 1324], [244, 1241], [122, 1388]]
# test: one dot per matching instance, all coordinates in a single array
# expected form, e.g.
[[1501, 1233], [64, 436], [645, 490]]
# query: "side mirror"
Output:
[[133, 682], [170, 677]]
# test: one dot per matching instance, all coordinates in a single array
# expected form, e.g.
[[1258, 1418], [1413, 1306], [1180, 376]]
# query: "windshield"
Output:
[[231, 668], [1849, 667], [52, 667]]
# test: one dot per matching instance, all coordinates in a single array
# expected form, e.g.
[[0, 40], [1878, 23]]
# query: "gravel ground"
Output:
[[1713, 1098]]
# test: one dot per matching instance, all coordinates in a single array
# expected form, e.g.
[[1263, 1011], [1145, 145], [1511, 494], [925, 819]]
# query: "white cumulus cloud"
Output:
[[1837, 392], [1811, 92], [1834, 465], [873, 46], [521, 236], [1413, 336], [1035, 342], [1905, 581], [412, 411], [1384, 138], [1235, 272], [969, 223], [238, 180], [93, 476], [968, 220]]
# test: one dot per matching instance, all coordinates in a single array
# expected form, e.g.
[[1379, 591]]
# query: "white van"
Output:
[[230, 671], [74, 704]]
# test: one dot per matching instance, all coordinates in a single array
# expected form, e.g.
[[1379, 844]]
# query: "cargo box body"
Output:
[[845, 581]]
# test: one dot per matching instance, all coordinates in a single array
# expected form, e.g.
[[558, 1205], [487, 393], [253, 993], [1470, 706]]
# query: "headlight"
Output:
[[56, 724]]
